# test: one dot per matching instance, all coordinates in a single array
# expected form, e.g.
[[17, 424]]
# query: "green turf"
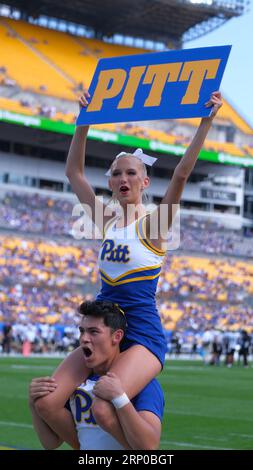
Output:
[[206, 407]]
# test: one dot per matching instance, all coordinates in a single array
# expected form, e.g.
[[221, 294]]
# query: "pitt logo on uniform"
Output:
[[162, 85], [118, 254]]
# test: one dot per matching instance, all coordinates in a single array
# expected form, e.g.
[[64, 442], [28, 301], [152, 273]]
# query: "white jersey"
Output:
[[90, 435], [126, 256]]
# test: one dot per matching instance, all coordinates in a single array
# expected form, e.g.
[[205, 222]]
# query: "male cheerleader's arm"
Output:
[[40, 387], [142, 429]]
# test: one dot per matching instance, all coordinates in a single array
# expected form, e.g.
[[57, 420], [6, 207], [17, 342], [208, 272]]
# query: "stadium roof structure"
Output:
[[168, 21]]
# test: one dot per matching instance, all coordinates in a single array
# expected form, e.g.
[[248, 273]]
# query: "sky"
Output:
[[237, 80]]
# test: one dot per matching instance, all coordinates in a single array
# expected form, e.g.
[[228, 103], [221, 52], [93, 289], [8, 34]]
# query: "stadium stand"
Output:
[[248, 149], [228, 113], [138, 131], [42, 77], [43, 281], [59, 50], [47, 216], [17, 107], [227, 147], [62, 72], [61, 60]]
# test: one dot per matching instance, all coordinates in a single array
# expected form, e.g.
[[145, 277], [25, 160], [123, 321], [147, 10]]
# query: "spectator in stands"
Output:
[[8, 81], [25, 102], [43, 88], [137, 424], [79, 87], [47, 111], [145, 342]]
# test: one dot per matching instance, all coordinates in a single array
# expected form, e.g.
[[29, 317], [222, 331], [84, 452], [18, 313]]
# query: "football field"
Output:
[[207, 408]]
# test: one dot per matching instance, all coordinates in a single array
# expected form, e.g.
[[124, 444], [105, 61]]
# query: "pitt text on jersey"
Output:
[[118, 254]]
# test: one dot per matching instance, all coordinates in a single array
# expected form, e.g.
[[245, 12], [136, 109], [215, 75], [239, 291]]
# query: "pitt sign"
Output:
[[163, 85]]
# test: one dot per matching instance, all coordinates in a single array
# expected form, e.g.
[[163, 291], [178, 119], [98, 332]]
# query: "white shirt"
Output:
[[90, 435]]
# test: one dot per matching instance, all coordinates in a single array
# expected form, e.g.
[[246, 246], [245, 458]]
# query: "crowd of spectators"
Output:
[[208, 236], [43, 278], [36, 214], [45, 281], [43, 215]]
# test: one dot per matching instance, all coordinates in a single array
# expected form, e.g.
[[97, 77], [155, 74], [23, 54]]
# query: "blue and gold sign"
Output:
[[163, 85]]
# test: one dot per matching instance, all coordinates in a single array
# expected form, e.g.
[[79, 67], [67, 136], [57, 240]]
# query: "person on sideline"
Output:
[[102, 328]]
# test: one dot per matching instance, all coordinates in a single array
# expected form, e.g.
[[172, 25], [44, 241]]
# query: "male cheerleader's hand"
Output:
[[108, 387], [216, 102], [41, 387]]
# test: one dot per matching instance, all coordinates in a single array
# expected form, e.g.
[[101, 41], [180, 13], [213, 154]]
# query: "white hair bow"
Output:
[[147, 159]]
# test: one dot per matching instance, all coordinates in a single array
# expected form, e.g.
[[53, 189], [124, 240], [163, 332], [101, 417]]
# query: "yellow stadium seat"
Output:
[[49, 62], [26, 66]]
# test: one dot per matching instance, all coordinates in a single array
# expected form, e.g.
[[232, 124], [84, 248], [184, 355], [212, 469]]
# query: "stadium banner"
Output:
[[161, 85], [121, 139]]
